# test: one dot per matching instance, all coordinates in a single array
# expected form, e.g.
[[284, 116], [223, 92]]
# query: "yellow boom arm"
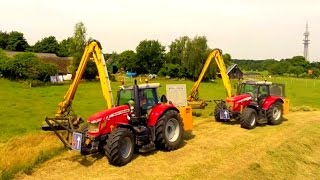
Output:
[[93, 51], [217, 55]]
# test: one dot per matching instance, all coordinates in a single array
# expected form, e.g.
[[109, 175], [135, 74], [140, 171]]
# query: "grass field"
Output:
[[24, 145], [213, 151]]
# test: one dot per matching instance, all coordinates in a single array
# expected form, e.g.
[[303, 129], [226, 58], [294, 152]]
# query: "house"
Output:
[[62, 63], [233, 72]]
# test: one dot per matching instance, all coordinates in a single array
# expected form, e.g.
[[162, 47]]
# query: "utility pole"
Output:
[[306, 43]]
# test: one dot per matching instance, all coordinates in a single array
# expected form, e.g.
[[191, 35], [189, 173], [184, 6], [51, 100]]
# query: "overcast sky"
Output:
[[247, 29]]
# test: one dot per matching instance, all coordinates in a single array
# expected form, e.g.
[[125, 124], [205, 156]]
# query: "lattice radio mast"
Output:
[[306, 43]]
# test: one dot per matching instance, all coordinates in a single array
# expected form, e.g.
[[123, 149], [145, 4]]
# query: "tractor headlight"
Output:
[[93, 127]]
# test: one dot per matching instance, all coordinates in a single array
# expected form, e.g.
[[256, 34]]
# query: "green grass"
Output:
[[23, 109], [302, 92]]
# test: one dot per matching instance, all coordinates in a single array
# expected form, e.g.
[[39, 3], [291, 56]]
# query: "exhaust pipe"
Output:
[[137, 107]]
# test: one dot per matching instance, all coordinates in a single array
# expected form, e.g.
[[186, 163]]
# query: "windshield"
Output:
[[125, 96], [248, 89], [148, 97]]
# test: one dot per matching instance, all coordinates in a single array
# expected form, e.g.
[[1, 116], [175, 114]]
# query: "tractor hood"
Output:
[[108, 113], [240, 98]]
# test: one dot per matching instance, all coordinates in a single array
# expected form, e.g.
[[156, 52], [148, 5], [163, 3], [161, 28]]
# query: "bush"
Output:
[[173, 70], [26, 66]]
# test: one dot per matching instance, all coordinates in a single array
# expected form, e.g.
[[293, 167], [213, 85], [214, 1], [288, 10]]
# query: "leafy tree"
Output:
[[197, 52], [65, 47], [77, 49], [279, 68], [16, 42], [150, 56], [296, 70], [47, 45], [172, 70], [78, 44], [128, 61], [3, 62], [26, 66], [316, 72], [299, 61], [177, 52], [227, 59], [4, 36]]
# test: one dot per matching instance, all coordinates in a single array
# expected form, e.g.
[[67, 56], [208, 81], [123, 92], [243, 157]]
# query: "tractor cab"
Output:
[[260, 90], [147, 96]]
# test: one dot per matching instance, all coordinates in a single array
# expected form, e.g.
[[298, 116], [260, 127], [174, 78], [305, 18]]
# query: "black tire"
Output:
[[216, 112], [85, 149], [275, 114], [169, 131], [248, 118], [120, 146]]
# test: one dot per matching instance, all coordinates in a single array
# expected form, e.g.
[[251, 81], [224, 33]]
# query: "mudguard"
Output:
[[269, 101], [157, 111]]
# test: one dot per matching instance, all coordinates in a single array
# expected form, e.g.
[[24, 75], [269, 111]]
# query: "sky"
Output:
[[246, 29]]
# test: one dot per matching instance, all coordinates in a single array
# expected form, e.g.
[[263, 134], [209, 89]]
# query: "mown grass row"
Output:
[[23, 110]]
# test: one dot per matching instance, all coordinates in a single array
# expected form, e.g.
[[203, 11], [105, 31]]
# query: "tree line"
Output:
[[15, 41], [296, 66], [185, 57]]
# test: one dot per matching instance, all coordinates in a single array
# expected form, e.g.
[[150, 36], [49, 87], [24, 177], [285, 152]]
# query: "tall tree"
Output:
[[177, 52], [296, 70], [128, 61], [196, 55], [77, 49], [78, 43], [47, 45], [4, 36], [227, 59], [150, 56], [65, 47], [299, 61], [16, 42]]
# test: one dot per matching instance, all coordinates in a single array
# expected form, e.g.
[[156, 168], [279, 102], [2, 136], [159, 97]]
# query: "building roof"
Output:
[[62, 63], [230, 68]]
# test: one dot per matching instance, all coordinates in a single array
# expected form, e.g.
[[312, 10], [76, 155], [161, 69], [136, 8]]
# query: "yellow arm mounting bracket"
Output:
[[217, 55], [93, 51]]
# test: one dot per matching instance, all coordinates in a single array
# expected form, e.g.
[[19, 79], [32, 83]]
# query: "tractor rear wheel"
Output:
[[169, 131], [120, 146], [248, 118], [219, 106], [275, 114]]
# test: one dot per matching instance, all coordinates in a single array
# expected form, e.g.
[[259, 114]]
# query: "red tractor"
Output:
[[256, 102], [138, 123]]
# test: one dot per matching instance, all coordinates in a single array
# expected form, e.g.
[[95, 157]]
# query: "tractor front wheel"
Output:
[[248, 118], [120, 146], [275, 114], [169, 131]]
